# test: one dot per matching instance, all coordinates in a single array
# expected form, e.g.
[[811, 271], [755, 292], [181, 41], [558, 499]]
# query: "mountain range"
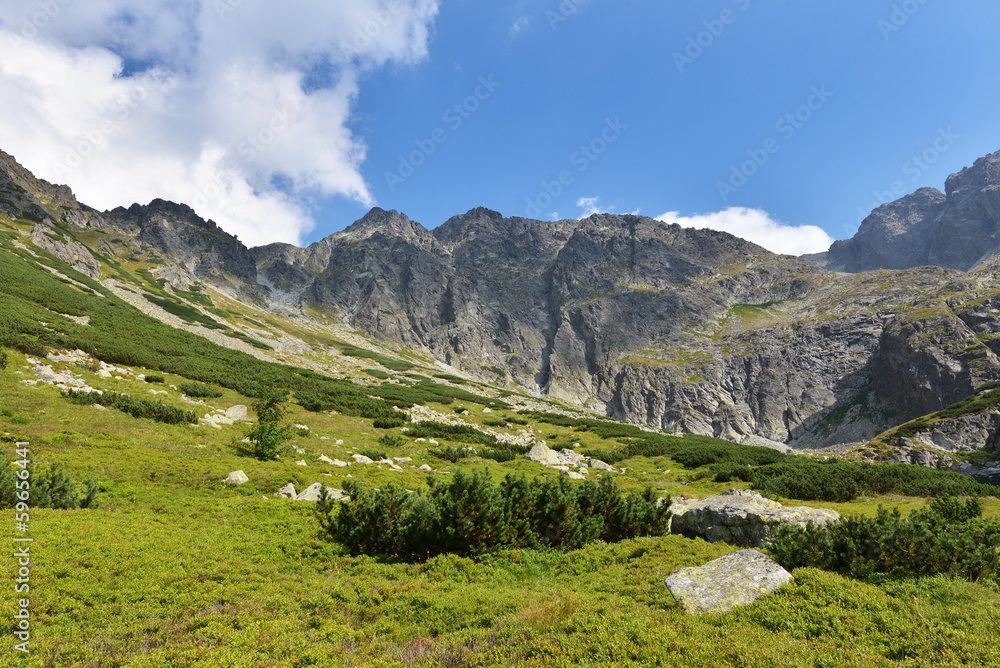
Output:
[[686, 330]]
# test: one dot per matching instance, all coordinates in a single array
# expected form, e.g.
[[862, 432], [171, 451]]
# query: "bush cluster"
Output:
[[390, 441], [792, 476], [198, 390], [140, 408], [388, 422], [155, 378], [947, 537], [470, 515], [839, 481], [3, 359], [49, 487]]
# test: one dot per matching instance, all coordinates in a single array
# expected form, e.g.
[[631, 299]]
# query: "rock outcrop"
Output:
[[735, 580], [741, 517]]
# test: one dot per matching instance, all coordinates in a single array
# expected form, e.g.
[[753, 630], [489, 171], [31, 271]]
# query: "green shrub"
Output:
[[267, 437], [198, 390], [140, 408], [3, 359], [460, 409], [945, 538], [377, 373], [470, 515], [388, 423], [390, 441], [452, 454], [155, 378], [374, 455], [48, 486]]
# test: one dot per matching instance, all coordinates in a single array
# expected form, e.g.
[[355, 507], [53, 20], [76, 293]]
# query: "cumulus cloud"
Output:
[[590, 206], [757, 226], [238, 108]]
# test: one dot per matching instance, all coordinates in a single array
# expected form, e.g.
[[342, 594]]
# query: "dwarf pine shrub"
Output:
[[198, 390], [49, 487], [947, 537], [470, 515], [140, 408]]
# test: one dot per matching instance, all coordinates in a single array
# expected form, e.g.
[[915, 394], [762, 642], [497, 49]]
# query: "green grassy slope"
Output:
[[178, 569]]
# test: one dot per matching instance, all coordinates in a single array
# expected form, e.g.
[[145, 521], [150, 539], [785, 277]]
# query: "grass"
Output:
[[178, 569]]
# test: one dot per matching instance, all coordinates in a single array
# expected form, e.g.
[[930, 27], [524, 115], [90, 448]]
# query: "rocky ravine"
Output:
[[691, 330]]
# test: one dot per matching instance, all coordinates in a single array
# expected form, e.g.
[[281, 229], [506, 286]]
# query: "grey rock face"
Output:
[[311, 493], [957, 229], [199, 245], [735, 580], [741, 517], [286, 492]]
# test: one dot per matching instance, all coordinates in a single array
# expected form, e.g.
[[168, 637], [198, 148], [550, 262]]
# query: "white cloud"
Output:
[[229, 114], [757, 226], [590, 206]]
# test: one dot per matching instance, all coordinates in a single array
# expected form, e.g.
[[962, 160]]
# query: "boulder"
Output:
[[286, 492], [237, 478], [237, 412], [741, 517], [311, 493], [325, 459], [598, 464], [735, 580], [543, 454], [361, 459]]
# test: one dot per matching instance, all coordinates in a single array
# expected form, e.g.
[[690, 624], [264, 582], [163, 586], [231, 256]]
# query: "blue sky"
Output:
[[829, 102], [892, 91]]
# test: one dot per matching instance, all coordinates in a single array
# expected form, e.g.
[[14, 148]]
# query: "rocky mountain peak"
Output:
[[957, 229], [387, 223], [983, 175]]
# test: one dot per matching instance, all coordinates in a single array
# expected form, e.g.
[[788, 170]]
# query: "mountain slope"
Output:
[[680, 329]]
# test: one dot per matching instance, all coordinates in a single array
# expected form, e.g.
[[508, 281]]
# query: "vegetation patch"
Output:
[[948, 537], [470, 515], [199, 390], [140, 408]]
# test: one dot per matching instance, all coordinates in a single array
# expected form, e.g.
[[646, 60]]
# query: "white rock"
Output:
[[576, 476], [237, 478], [301, 463], [598, 464], [237, 412], [324, 458], [486, 409], [735, 580], [425, 467], [403, 460], [386, 461], [286, 492], [361, 459], [339, 441], [311, 493]]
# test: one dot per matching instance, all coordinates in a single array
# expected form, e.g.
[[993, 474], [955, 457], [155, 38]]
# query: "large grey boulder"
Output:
[[544, 455], [311, 493], [287, 492], [735, 580], [237, 412], [741, 517]]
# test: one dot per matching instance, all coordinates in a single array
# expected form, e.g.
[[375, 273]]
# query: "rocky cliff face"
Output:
[[958, 228], [682, 329]]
